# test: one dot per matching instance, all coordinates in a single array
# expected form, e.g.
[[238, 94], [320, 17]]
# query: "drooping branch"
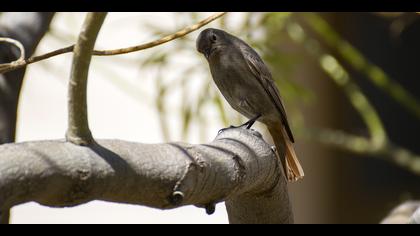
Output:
[[160, 41], [362, 146], [238, 167], [378, 144], [22, 63], [342, 79], [355, 58], [78, 127]]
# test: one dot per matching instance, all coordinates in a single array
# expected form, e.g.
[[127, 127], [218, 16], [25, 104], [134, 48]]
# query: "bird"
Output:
[[248, 86]]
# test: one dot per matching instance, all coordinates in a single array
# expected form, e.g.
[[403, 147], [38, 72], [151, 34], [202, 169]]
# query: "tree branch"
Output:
[[22, 63], [19, 46], [78, 127], [238, 166], [363, 146]]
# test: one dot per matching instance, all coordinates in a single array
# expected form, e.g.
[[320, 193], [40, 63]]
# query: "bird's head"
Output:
[[210, 41]]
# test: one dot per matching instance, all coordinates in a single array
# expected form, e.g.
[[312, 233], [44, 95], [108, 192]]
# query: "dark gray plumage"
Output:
[[248, 86]]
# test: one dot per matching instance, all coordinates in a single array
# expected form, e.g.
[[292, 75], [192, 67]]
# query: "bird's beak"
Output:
[[207, 52]]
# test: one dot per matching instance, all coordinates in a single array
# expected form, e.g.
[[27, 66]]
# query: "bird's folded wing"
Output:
[[263, 75]]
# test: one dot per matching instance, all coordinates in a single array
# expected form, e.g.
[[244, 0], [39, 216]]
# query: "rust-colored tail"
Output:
[[291, 166]]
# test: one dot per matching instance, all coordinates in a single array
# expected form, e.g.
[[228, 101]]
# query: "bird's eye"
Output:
[[213, 37]]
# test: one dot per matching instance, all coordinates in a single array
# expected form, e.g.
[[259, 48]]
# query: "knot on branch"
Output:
[[239, 168], [176, 198], [210, 208]]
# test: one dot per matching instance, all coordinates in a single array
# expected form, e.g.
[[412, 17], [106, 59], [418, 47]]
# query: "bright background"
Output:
[[309, 55], [113, 112]]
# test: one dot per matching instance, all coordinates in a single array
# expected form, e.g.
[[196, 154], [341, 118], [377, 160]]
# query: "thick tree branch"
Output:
[[22, 63], [78, 127], [238, 166]]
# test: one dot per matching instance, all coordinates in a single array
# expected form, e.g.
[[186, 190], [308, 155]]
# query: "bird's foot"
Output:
[[230, 127], [251, 122], [246, 125]]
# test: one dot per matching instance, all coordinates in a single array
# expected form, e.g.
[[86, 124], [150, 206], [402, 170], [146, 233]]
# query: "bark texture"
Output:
[[238, 167]]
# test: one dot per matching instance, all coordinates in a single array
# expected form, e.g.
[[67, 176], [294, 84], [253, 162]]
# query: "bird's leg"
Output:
[[248, 124], [230, 127], [251, 122]]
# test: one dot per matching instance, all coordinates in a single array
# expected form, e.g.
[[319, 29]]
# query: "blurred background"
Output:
[[349, 81]]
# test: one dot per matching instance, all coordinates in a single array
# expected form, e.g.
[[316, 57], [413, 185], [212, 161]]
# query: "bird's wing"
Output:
[[263, 75]]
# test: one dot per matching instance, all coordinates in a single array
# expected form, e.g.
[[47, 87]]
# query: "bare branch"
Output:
[[160, 41], [16, 44], [238, 166], [21, 63], [78, 127], [363, 146]]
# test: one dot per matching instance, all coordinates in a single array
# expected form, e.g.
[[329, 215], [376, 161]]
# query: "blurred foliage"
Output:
[[285, 41], [253, 28], [273, 35], [356, 59]]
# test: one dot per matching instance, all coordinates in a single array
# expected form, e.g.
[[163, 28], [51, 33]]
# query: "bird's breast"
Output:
[[237, 85], [241, 89]]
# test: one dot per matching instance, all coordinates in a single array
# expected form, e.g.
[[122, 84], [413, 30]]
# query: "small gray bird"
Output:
[[247, 84]]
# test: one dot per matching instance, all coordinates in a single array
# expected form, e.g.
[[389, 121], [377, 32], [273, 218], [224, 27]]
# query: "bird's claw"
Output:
[[251, 122], [247, 124], [222, 130]]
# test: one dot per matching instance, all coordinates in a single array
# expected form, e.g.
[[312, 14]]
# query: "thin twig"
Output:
[[21, 63], [21, 49], [363, 146], [160, 41]]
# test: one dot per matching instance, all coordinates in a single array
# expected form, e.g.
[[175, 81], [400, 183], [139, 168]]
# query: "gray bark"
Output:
[[78, 131], [238, 167]]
